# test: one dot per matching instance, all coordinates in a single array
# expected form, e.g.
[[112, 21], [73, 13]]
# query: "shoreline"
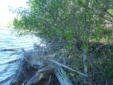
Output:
[[6, 26]]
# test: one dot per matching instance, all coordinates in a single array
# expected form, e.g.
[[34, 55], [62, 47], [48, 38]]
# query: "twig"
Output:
[[64, 66], [85, 62]]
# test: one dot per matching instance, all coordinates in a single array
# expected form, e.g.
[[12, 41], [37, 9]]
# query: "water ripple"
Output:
[[12, 40]]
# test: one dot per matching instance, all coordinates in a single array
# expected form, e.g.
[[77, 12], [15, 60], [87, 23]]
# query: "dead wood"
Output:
[[40, 61]]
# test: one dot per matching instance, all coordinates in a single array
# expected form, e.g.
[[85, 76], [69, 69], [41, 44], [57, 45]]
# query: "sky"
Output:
[[5, 14]]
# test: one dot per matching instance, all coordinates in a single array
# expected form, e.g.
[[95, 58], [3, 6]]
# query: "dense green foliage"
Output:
[[78, 24]]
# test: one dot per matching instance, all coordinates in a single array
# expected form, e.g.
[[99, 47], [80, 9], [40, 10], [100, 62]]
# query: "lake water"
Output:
[[9, 39]]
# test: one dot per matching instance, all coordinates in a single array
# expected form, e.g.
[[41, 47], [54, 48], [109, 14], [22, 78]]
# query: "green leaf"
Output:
[[84, 46], [81, 3]]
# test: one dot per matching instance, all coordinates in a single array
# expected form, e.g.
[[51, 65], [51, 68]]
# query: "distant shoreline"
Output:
[[6, 26]]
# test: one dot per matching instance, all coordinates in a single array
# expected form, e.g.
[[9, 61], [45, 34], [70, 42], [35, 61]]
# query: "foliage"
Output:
[[75, 23]]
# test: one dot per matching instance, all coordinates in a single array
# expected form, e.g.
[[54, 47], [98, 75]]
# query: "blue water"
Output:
[[11, 39]]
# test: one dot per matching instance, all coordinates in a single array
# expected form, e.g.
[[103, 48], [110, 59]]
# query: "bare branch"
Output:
[[64, 66]]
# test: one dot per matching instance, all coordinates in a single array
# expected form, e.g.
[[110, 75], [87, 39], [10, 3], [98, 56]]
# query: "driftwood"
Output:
[[37, 75], [41, 61], [11, 49]]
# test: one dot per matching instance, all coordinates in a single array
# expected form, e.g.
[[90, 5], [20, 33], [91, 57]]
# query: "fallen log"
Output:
[[37, 75], [36, 62]]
